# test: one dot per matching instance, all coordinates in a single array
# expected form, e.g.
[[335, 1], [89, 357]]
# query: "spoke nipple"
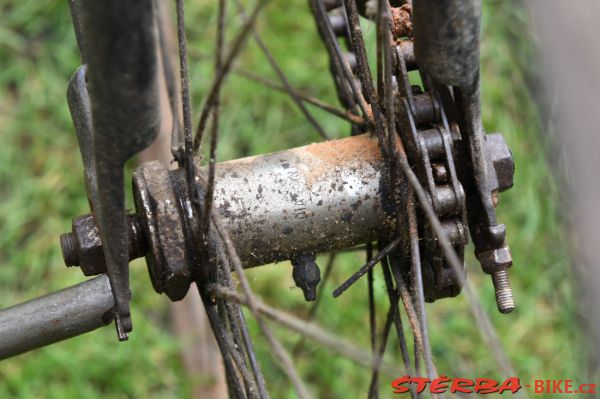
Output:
[[69, 249], [504, 294]]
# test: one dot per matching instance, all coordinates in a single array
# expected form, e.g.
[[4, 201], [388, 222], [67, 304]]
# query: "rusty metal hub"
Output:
[[316, 198]]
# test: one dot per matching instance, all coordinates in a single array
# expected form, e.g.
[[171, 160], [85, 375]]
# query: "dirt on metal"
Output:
[[402, 21], [338, 153]]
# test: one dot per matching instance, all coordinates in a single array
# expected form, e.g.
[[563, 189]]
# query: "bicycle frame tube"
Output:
[[55, 317]]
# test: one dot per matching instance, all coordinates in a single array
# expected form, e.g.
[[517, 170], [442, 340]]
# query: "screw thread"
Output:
[[69, 250], [504, 294]]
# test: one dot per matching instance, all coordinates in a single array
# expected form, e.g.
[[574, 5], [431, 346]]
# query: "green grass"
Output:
[[41, 189]]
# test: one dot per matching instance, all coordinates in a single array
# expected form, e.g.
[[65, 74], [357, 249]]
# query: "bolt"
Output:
[[501, 159], [504, 294]]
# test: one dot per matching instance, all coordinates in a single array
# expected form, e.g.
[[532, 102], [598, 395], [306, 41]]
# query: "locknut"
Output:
[[161, 220], [86, 245], [83, 245], [495, 259]]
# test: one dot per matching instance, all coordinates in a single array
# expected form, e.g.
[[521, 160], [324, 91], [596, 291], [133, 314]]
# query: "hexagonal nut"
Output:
[[157, 206], [501, 157], [88, 245], [83, 245], [495, 259]]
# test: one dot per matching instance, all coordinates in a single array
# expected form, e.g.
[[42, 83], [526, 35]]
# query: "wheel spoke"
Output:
[[210, 186], [238, 44], [188, 156], [283, 78], [329, 340], [238, 324], [252, 302], [166, 43], [364, 72], [260, 380], [348, 116], [373, 390], [219, 330], [394, 298], [418, 281], [368, 266], [340, 65]]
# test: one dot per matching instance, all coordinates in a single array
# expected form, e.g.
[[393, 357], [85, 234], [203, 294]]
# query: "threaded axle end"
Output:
[[69, 249], [504, 295]]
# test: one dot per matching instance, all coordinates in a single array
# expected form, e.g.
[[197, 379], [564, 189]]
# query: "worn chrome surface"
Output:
[[315, 198], [54, 317]]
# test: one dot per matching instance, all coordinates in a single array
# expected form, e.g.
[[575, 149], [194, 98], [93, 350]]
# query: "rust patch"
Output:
[[345, 150], [340, 153], [402, 21]]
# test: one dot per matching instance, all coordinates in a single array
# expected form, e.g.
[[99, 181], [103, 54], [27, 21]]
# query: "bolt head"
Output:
[[501, 158], [495, 259]]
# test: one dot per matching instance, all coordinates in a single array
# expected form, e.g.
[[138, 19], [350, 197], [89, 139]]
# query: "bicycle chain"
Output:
[[427, 136]]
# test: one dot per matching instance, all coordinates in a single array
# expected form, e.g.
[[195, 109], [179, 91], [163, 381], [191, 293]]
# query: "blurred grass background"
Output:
[[41, 189]]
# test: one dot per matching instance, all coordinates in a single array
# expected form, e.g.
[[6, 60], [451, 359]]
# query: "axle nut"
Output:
[[83, 245], [85, 240]]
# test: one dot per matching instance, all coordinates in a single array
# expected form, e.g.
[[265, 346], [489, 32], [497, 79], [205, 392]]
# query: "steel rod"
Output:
[[57, 316]]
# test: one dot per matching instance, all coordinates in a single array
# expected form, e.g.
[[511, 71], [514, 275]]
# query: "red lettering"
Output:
[[461, 385], [591, 388], [421, 383], [568, 386], [485, 386], [398, 383], [439, 385], [512, 384], [556, 386], [538, 386]]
